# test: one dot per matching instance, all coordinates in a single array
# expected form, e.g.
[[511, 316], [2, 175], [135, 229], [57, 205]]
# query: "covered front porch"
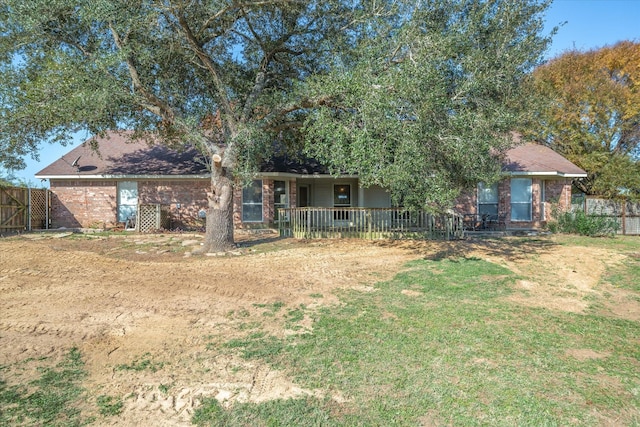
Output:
[[368, 223]]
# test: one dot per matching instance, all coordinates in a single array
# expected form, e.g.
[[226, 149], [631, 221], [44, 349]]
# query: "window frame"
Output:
[[336, 195], [341, 215], [277, 204], [482, 186], [123, 215], [529, 202], [248, 201]]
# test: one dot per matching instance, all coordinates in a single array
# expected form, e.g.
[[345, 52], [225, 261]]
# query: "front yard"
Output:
[[132, 330]]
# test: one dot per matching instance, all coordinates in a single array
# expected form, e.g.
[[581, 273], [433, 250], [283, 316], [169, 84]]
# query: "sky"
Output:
[[583, 25]]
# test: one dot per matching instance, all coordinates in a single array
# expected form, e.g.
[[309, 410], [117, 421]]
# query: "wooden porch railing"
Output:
[[368, 223]]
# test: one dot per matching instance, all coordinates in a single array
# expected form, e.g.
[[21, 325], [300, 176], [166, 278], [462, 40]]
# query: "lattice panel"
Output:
[[39, 209], [152, 217]]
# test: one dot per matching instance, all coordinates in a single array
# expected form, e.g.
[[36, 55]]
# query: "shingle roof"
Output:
[[118, 155], [536, 159]]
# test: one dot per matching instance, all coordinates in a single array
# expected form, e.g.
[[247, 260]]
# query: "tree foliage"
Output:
[[591, 114], [216, 74], [414, 96], [428, 104], [171, 67]]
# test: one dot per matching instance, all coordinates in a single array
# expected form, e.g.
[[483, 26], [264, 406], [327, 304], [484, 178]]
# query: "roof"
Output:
[[536, 159], [117, 156]]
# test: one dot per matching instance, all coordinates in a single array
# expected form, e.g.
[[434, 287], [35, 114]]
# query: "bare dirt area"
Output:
[[150, 318]]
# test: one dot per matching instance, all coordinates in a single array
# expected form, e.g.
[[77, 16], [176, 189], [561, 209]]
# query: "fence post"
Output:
[[47, 206], [29, 213], [624, 217]]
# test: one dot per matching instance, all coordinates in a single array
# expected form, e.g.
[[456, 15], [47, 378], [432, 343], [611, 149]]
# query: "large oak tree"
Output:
[[591, 114], [429, 103], [414, 96]]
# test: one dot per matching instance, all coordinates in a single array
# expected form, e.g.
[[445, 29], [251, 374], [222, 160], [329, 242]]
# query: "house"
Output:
[[104, 188], [535, 178]]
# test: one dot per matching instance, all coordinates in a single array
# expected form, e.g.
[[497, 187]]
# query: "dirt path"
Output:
[[149, 319]]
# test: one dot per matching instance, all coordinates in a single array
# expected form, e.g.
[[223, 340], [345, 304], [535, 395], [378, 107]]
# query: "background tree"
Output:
[[591, 114], [414, 96]]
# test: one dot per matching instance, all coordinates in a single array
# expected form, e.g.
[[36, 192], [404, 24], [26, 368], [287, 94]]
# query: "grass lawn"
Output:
[[441, 345]]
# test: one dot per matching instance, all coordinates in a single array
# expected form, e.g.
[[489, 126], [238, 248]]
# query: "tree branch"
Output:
[[223, 100], [156, 106]]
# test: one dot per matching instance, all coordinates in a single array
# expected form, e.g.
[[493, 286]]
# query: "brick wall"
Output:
[[556, 191], [83, 204], [268, 210], [268, 205], [185, 199], [467, 202]]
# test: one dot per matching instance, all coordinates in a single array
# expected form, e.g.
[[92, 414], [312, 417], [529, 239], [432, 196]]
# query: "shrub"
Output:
[[578, 222]]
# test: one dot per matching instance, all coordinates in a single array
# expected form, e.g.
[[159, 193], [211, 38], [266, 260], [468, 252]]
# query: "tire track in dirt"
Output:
[[41, 328], [60, 293]]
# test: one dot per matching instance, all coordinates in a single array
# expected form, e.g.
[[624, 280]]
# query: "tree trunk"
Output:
[[219, 231]]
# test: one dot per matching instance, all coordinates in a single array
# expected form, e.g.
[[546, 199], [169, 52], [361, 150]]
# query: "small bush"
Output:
[[583, 224]]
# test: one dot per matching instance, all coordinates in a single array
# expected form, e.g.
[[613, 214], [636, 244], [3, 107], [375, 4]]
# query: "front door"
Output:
[[303, 196]]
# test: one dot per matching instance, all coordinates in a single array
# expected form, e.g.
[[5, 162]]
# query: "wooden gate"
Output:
[[24, 209]]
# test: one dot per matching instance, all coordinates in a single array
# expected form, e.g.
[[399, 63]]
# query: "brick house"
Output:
[[104, 188], [535, 178]]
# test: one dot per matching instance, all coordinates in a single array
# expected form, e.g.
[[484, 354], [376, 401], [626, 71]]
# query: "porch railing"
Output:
[[368, 223]]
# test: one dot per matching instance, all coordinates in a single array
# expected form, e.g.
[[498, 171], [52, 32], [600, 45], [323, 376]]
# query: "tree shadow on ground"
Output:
[[251, 240], [509, 248]]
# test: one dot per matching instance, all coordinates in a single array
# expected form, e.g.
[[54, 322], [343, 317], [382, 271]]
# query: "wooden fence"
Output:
[[368, 223], [626, 213], [23, 209]]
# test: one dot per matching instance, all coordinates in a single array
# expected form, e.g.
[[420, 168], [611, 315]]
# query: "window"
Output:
[[487, 199], [342, 195], [520, 199], [127, 200], [280, 198], [252, 202], [341, 198]]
